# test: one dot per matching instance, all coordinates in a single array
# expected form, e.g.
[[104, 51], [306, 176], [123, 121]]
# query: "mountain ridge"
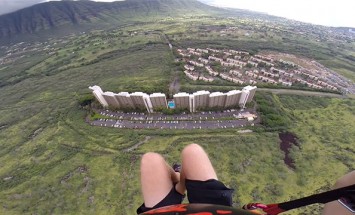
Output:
[[51, 15]]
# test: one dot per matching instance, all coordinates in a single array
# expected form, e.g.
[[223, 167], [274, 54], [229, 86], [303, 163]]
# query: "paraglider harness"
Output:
[[345, 196]]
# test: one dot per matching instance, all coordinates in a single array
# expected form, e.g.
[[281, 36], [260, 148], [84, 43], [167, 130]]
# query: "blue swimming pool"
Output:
[[171, 104]]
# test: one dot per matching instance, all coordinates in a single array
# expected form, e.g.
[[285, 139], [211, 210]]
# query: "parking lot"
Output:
[[203, 120]]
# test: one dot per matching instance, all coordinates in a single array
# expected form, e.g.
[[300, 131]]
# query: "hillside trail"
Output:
[[135, 146]]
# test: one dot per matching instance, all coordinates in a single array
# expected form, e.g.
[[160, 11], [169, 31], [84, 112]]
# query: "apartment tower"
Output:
[[111, 99], [124, 99], [233, 98], [182, 101], [217, 100], [200, 100], [142, 101], [158, 101], [248, 93], [97, 91], [252, 93]]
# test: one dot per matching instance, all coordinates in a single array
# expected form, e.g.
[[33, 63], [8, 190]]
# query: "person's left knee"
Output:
[[151, 158], [346, 180]]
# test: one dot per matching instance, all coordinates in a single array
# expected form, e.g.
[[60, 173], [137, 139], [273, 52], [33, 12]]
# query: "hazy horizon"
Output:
[[332, 13]]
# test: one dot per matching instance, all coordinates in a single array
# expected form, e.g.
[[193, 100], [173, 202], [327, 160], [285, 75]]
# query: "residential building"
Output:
[[97, 91], [142, 101], [111, 99], [124, 99], [213, 50], [196, 63], [192, 76], [200, 100], [232, 98], [239, 52], [203, 60], [195, 53], [211, 71], [217, 100], [202, 50], [215, 59], [206, 79], [253, 63], [191, 102], [252, 82], [236, 73], [158, 101], [223, 63], [264, 58], [252, 93], [182, 100], [190, 68], [248, 93], [244, 98]]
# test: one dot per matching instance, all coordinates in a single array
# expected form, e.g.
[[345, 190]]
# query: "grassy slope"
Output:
[[60, 165]]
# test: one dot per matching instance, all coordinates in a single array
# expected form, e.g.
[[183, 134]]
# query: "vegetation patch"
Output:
[[288, 140]]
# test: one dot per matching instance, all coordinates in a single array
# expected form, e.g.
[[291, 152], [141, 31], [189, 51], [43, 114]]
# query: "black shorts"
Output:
[[173, 198], [209, 192], [203, 192]]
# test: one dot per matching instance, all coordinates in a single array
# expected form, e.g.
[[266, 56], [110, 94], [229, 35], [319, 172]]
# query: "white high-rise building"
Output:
[[192, 103], [97, 91], [200, 100], [252, 93], [217, 100], [182, 100], [233, 98], [142, 101], [197, 101], [124, 99], [158, 101], [248, 93], [111, 99]]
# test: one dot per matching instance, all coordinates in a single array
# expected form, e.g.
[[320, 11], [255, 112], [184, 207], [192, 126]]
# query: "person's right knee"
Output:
[[192, 149]]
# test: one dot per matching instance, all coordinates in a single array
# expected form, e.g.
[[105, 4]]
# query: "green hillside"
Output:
[[53, 162]]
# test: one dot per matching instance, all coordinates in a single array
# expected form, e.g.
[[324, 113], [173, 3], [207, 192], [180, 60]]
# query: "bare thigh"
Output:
[[196, 165], [155, 179]]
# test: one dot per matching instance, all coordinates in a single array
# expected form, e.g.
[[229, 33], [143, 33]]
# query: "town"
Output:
[[242, 68]]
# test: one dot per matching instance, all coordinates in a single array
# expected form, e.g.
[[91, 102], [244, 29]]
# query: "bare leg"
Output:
[[333, 208], [196, 165], [157, 179]]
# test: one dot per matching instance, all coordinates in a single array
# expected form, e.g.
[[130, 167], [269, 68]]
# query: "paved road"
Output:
[[301, 92]]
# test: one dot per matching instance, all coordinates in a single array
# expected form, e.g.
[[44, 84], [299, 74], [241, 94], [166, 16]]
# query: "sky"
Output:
[[337, 13]]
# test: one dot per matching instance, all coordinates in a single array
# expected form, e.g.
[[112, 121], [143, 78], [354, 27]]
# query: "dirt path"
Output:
[[146, 139], [175, 85]]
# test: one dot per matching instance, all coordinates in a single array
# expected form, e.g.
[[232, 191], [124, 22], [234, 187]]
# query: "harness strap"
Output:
[[329, 196]]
